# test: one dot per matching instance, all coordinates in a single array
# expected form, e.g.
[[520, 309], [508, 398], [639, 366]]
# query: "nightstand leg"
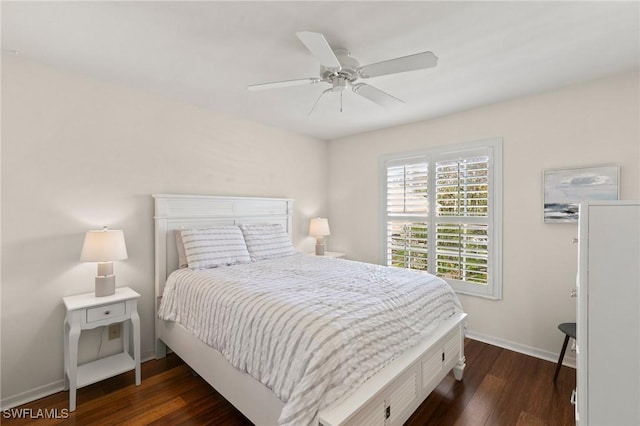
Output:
[[125, 335], [74, 335], [135, 323]]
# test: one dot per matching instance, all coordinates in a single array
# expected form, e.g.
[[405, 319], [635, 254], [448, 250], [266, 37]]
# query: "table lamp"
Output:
[[104, 246], [319, 227]]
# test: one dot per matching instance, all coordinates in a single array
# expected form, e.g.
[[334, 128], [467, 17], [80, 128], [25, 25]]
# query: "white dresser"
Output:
[[608, 338]]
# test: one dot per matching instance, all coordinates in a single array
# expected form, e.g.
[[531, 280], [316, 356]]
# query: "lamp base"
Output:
[[105, 286], [319, 249]]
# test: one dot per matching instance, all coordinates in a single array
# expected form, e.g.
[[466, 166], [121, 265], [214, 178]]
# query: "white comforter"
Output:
[[310, 328]]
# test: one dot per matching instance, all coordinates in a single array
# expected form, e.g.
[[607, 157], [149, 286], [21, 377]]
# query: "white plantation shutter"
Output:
[[462, 186], [462, 252], [442, 214], [462, 195], [407, 185], [407, 245], [407, 189]]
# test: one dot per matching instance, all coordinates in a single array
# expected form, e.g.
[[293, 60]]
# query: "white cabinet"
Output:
[[608, 337]]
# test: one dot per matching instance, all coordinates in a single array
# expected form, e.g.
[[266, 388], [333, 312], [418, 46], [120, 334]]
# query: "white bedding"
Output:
[[310, 328]]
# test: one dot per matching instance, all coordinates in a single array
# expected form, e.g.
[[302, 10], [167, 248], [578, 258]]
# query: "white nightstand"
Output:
[[86, 311], [334, 254]]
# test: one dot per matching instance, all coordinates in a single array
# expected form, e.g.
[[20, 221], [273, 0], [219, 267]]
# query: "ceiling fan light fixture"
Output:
[[339, 83]]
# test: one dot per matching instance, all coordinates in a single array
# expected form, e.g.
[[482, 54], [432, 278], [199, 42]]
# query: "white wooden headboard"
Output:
[[174, 212]]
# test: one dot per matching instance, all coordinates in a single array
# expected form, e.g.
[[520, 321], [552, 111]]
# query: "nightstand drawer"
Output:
[[106, 311]]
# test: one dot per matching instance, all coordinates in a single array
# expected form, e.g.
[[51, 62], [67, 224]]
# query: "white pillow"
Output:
[[212, 247], [267, 241]]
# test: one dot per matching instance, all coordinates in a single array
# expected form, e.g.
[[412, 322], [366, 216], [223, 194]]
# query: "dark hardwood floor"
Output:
[[500, 387]]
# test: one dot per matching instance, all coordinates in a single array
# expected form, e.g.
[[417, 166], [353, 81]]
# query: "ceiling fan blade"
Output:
[[319, 97], [319, 47], [376, 95], [417, 61], [285, 83]]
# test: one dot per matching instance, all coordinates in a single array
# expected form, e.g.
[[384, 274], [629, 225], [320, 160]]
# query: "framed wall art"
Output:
[[565, 189]]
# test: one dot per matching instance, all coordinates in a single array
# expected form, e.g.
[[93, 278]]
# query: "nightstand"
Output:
[[86, 311], [333, 254]]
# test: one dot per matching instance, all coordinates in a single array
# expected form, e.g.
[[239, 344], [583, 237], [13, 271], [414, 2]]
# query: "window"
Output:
[[442, 211]]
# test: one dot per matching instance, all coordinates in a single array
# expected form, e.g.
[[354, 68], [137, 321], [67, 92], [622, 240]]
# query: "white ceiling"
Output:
[[206, 53]]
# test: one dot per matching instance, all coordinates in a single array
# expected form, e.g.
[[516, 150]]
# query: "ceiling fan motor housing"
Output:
[[348, 70]]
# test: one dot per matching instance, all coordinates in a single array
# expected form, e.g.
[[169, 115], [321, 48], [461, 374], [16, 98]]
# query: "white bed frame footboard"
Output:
[[396, 391], [387, 398]]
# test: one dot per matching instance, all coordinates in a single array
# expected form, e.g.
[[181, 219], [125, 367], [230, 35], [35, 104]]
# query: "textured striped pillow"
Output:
[[212, 247], [267, 241]]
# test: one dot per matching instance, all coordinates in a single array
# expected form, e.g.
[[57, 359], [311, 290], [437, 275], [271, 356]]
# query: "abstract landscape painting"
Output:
[[565, 189]]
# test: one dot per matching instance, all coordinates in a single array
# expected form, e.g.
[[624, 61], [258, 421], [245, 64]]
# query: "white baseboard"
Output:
[[569, 358], [32, 395], [46, 390]]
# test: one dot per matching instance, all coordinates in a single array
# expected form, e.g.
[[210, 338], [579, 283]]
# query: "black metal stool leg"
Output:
[[564, 349]]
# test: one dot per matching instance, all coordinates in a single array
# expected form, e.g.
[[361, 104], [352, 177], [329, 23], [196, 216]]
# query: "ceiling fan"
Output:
[[339, 69]]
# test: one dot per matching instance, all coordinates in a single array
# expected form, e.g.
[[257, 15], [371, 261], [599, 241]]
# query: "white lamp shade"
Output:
[[319, 227], [104, 245]]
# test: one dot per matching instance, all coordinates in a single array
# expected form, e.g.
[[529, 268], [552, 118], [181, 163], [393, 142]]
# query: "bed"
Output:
[[388, 397]]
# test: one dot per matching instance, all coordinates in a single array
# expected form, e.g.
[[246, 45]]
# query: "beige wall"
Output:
[[78, 154], [589, 124]]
